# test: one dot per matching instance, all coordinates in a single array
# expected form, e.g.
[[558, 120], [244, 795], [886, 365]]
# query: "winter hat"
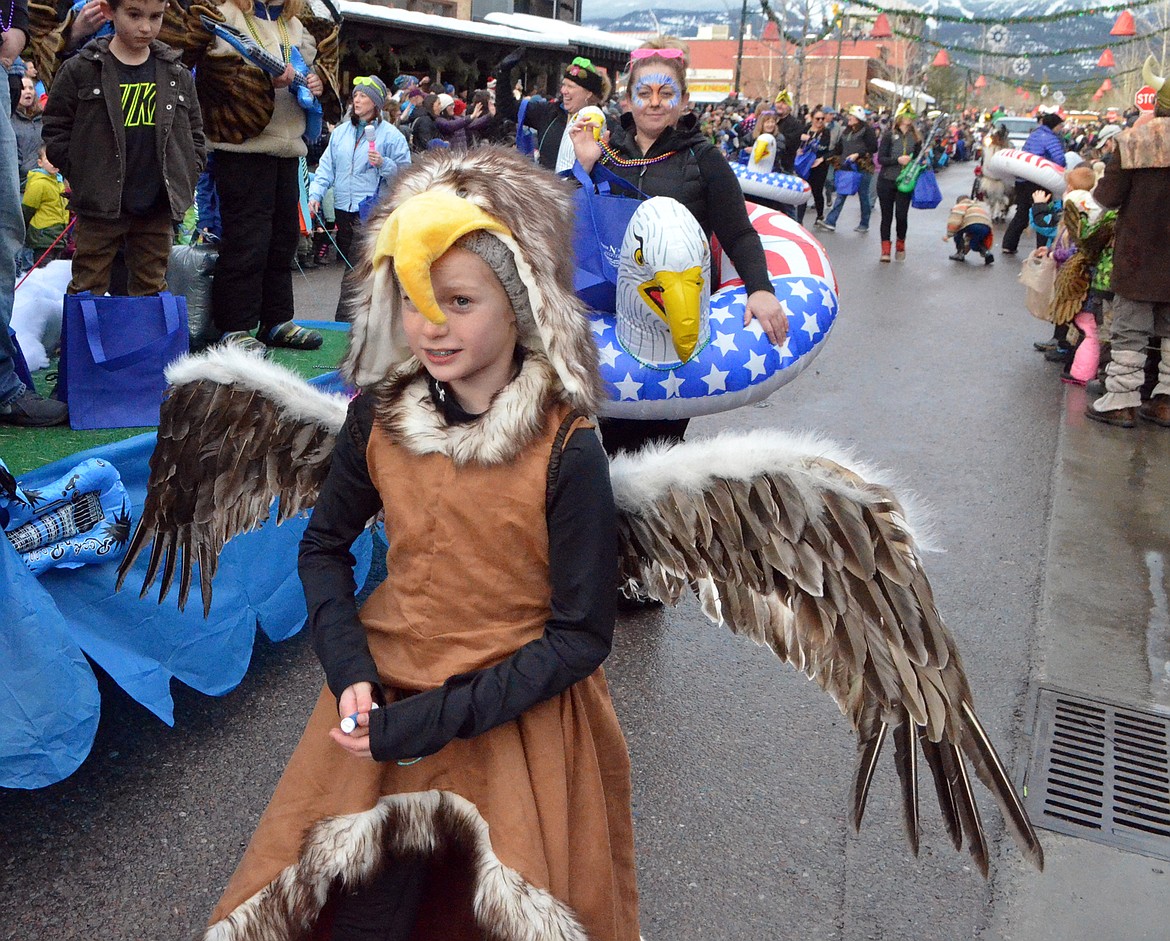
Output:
[[857, 112], [1052, 120], [582, 72], [404, 81], [373, 88], [445, 102], [1108, 132]]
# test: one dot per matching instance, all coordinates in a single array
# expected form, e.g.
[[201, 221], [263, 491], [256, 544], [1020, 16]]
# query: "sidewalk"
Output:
[[1103, 632]]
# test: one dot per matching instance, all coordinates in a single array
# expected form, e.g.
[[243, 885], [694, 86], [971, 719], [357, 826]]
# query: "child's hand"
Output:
[[357, 699], [1040, 196]]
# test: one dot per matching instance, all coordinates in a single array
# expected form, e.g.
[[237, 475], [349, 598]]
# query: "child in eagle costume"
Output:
[[497, 803]]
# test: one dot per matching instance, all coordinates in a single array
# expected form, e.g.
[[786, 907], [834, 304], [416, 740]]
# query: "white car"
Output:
[[1018, 129]]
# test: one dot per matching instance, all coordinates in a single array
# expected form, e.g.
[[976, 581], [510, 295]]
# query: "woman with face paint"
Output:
[[660, 148]]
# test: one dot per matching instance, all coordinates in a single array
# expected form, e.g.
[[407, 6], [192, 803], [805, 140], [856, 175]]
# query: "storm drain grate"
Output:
[[1100, 771]]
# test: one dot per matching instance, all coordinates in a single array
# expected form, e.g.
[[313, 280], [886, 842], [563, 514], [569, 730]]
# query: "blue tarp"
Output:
[[48, 693]]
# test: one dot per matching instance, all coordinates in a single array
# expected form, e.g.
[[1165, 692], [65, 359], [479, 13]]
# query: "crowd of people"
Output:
[[516, 704]]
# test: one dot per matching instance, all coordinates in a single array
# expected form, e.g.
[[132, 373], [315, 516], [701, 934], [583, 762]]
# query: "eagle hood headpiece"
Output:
[[486, 195]]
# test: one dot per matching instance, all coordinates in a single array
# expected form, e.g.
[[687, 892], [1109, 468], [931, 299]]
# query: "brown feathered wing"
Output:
[[790, 546], [235, 433]]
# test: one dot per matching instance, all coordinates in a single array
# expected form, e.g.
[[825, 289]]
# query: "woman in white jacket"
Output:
[[363, 155]]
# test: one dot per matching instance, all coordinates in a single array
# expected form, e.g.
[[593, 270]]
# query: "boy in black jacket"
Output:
[[123, 101]]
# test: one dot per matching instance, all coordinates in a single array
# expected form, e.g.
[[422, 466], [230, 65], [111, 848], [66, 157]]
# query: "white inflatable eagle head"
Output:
[[664, 284], [763, 158]]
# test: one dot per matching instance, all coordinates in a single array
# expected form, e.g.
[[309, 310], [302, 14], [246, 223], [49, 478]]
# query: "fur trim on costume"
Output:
[[348, 850], [232, 366], [537, 210], [1146, 146], [405, 410]]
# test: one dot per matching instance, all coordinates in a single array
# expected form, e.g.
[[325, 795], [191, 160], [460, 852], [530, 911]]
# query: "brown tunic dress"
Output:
[[538, 809]]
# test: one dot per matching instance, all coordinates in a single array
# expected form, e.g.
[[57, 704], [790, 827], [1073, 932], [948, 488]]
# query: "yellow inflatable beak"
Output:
[[419, 232], [677, 297], [760, 151]]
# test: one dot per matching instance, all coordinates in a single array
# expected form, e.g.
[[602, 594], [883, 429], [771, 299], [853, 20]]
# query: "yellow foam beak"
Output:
[[760, 151], [677, 297], [419, 232]]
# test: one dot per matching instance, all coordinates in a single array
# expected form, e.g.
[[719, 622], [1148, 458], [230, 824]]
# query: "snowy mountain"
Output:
[[1028, 41]]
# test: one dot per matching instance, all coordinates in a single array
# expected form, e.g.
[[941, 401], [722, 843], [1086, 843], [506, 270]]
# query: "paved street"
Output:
[[1052, 537]]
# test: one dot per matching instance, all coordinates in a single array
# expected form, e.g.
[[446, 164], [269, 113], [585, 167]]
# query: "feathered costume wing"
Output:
[[785, 543], [235, 433]]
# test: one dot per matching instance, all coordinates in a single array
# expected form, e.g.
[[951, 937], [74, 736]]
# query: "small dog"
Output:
[[36, 312]]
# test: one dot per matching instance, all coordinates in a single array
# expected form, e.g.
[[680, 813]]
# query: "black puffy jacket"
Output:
[[697, 175]]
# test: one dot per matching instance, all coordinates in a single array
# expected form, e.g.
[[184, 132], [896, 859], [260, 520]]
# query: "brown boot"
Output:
[[885, 251], [1156, 410], [1120, 417], [900, 250]]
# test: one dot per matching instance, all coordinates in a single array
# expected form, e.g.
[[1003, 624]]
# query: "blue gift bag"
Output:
[[600, 227], [927, 195], [805, 158], [847, 182], [113, 353]]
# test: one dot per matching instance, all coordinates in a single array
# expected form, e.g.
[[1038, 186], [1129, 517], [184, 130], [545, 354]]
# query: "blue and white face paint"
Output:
[[657, 88]]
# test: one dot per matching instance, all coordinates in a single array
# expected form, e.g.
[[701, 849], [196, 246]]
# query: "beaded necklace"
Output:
[[5, 27], [609, 155], [285, 44]]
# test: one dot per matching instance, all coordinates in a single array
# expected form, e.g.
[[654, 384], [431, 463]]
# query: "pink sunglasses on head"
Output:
[[650, 53]]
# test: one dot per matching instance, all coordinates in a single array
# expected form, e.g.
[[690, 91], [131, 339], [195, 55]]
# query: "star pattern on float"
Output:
[[735, 357]]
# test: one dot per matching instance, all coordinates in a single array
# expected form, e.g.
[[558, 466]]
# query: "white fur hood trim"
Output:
[[348, 849]]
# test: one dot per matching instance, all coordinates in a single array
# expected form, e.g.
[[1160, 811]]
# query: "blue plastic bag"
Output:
[[847, 182], [525, 136], [927, 195], [805, 158], [113, 353], [600, 227]]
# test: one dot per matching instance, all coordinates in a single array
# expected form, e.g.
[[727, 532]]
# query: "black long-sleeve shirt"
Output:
[[577, 637]]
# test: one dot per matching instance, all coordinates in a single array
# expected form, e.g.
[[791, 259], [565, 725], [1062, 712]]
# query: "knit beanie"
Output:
[[503, 265], [373, 88]]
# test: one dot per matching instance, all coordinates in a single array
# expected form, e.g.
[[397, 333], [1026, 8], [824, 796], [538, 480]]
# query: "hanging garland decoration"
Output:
[[1114, 43], [999, 20], [1070, 87]]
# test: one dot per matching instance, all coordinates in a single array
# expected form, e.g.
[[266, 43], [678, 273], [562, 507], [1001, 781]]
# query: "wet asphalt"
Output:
[[1051, 541]]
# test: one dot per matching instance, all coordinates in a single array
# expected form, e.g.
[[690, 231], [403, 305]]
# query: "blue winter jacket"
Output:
[[1045, 142], [345, 165]]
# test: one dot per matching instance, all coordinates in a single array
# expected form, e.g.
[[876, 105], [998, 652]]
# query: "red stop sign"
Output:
[[1144, 98]]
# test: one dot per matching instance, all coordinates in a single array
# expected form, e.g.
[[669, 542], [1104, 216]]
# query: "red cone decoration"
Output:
[[980, 82], [1124, 25], [941, 60], [1107, 85], [1106, 60], [1098, 95], [881, 28]]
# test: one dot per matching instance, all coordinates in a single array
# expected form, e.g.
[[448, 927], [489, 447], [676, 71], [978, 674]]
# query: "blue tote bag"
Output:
[[113, 353], [600, 227], [927, 195], [847, 182], [805, 158]]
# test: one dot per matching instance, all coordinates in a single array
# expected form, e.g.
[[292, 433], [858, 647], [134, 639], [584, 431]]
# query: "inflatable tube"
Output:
[[783, 188], [1009, 164], [81, 518], [736, 365]]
